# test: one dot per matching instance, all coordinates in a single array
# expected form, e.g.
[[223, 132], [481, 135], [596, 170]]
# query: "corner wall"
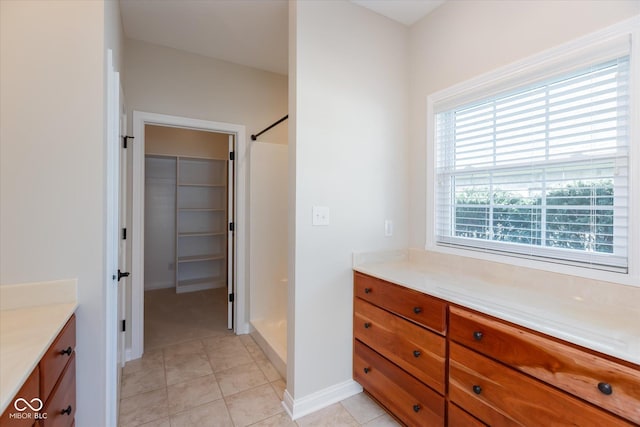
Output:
[[348, 151]]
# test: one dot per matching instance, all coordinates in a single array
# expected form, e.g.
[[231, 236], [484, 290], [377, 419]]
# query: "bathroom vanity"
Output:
[[437, 348]]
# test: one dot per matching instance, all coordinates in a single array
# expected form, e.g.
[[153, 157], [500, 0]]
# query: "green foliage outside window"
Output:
[[576, 216]]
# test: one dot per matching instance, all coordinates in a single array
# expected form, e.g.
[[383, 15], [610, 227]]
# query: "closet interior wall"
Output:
[[185, 209]]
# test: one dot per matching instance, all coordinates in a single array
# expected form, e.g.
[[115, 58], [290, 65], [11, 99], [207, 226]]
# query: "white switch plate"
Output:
[[320, 215]]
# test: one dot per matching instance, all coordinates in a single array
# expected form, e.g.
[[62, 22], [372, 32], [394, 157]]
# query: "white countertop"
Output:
[[602, 316], [27, 331]]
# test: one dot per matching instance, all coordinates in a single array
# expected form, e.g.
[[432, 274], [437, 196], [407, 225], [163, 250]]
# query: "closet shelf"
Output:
[[201, 233], [196, 258], [200, 280], [201, 210], [202, 185]]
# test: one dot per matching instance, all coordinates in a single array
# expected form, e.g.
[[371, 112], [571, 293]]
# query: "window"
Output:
[[538, 168]]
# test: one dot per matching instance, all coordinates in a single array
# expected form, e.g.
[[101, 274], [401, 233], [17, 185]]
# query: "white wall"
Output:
[[268, 232], [169, 81], [463, 39], [52, 163], [348, 151]]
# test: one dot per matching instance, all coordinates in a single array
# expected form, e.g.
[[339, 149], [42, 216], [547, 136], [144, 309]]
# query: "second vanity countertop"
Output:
[[601, 316], [28, 326]]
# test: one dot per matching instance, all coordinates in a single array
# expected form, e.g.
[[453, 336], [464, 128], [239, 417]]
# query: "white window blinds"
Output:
[[540, 171]]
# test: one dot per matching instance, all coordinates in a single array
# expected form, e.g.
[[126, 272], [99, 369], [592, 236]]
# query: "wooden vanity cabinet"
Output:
[[58, 379], [413, 359], [53, 381], [507, 375], [400, 350], [28, 391]]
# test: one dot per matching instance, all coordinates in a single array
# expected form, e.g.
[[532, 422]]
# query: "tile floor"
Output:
[[218, 380]]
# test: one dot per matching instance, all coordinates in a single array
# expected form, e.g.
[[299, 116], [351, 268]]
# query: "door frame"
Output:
[[140, 120]]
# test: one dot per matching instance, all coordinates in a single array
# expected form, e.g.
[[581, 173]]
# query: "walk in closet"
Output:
[[186, 217]]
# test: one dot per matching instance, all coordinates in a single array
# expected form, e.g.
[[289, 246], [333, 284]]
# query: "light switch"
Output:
[[320, 215]]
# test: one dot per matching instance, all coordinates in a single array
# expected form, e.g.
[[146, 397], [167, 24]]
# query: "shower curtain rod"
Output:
[[254, 137]]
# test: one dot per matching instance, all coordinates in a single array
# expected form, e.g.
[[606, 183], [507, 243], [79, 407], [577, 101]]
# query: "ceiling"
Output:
[[247, 32]]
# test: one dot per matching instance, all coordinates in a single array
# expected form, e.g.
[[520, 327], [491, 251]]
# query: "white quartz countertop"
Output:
[[602, 316], [26, 332]]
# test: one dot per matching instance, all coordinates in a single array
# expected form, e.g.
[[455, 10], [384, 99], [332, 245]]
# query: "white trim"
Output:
[[555, 56], [112, 213], [297, 408], [140, 119]]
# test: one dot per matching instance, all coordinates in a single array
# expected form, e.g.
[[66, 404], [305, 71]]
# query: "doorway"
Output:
[[197, 201]]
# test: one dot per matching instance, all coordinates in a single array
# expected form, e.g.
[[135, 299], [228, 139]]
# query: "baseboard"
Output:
[[298, 408], [152, 286], [128, 355]]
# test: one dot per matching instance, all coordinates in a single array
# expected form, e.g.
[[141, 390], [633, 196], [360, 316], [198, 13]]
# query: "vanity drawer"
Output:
[[501, 396], [56, 358], [407, 398], [413, 348], [459, 418], [418, 307], [61, 408], [29, 391], [579, 372]]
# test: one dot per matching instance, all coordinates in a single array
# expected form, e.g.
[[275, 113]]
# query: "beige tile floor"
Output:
[[217, 379]]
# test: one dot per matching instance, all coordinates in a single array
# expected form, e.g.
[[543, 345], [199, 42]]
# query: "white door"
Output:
[[122, 249], [112, 242], [231, 228]]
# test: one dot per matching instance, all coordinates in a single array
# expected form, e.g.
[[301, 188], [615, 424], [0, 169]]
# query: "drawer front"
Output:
[[61, 407], [458, 418], [420, 308], [413, 348], [501, 396], [576, 371], [407, 398], [29, 391], [56, 358]]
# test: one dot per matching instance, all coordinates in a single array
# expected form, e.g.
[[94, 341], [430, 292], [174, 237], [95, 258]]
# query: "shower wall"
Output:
[[268, 247]]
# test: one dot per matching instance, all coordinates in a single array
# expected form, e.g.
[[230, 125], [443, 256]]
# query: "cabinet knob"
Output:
[[66, 411], [605, 388], [68, 351], [477, 335], [416, 353], [367, 370], [367, 325], [477, 389], [416, 408], [417, 310], [367, 290]]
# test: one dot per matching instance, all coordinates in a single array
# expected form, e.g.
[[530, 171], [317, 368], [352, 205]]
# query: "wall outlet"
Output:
[[388, 228], [320, 215]]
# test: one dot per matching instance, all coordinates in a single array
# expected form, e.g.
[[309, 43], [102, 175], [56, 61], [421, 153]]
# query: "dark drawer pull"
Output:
[[367, 325], [417, 310], [68, 351], [416, 408], [367, 370], [477, 389], [605, 388], [416, 353], [66, 411], [367, 290], [477, 335]]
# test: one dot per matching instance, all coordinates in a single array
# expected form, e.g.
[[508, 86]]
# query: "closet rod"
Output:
[[254, 137]]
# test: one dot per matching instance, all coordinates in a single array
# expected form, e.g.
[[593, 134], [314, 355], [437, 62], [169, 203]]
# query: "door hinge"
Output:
[[125, 139], [232, 155], [124, 234], [232, 226], [231, 297], [124, 325]]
